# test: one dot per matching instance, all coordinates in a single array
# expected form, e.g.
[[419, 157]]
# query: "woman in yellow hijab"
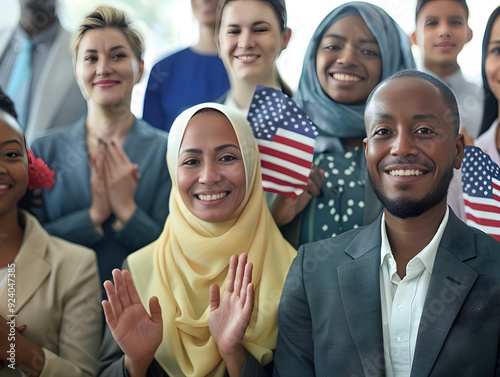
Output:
[[217, 209]]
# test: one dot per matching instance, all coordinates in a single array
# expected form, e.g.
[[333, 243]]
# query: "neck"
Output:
[[442, 70], [11, 237], [108, 123], [31, 24], [242, 91], [206, 42], [409, 236]]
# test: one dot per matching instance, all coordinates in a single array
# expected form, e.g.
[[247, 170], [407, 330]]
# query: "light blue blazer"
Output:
[[65, 211]]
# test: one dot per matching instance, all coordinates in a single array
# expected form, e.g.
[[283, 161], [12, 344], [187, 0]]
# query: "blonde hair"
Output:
[[106, 16]]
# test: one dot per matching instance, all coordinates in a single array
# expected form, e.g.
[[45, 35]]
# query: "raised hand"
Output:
[[122, 177], [229, 317], [137, 333]]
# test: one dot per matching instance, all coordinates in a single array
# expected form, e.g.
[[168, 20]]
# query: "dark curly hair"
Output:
[[6, 104]]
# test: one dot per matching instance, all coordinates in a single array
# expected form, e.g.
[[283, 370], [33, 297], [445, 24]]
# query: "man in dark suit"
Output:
[[417, 292]]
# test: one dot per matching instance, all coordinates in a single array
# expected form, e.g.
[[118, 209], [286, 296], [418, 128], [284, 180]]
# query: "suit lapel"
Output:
[[31, 268], [360, 288], [451, 282]]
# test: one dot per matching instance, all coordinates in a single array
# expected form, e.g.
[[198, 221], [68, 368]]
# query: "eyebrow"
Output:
[[253, 24], [379, 117], [494, 42], [342, 38], [10, 142], [114, 48], [217, 149]]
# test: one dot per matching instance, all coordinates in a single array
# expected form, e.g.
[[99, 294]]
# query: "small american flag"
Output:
[[286, 138], [481, 186]]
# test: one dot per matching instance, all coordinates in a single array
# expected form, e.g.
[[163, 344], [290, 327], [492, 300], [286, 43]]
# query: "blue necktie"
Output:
[[18, 87]]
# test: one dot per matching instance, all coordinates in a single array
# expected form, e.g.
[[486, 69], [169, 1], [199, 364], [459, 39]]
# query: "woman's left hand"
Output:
[[122, 178], [229, 317], [285, 209]]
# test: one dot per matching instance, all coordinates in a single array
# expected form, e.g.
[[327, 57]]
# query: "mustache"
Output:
[[407, 162]]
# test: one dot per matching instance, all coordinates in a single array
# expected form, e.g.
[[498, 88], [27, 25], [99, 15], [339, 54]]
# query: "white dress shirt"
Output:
[[402, 301]]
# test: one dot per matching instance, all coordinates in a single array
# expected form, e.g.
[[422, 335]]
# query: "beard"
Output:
[[404, 207]]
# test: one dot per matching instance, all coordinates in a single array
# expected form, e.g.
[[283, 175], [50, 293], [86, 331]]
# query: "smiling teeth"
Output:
[[4, 187], [405, 173], [248, 57], [208, 198], [343, 77]]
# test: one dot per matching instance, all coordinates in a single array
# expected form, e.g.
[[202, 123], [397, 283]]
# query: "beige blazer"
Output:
[[57, 295]]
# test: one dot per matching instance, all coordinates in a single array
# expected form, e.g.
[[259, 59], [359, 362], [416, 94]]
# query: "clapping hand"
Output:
[[229, 317], [137, 333]]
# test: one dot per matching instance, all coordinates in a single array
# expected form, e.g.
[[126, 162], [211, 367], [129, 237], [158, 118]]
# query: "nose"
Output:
[[444, 30], [209, 173], [103, 67], [404, 145], [346, 56], [246, 39]]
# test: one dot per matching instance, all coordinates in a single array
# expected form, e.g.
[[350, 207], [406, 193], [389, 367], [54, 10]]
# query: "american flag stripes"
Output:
[[286, 138], [481, 187]]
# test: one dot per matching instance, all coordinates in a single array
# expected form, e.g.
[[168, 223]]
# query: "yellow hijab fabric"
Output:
[[190, 255]]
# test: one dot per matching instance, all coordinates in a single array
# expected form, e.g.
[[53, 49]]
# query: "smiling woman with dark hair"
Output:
[[49, 288]]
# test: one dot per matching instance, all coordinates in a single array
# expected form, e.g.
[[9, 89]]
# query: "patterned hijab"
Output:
[[190, 255], [345, 120]]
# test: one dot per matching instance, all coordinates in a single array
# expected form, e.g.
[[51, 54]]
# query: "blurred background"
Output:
[[169, 25]]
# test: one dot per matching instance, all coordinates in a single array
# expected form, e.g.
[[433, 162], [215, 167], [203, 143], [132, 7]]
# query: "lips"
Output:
[[445, 45], [106, 83], [247, 58], [212, 197]]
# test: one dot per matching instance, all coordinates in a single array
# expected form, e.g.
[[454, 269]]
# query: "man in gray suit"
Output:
[[417, 292], [54, 96]]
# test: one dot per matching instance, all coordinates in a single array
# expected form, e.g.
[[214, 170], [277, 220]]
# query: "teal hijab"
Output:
[[335, 120]]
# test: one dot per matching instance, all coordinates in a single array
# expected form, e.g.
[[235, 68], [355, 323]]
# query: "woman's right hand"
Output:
[[136, 332], [100, 208]]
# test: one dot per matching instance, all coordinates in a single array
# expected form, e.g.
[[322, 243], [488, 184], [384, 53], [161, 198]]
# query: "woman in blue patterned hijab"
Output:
[[355, 47]]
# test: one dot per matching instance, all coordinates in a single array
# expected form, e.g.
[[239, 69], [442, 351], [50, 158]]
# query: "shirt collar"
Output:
[[427, 255], [46, 37]]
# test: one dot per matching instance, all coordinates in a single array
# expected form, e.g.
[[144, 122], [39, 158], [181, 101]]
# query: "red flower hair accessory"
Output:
[[40, 175]]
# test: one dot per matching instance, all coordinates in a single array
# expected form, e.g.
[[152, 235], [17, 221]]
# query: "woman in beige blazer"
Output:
[[50, 321]]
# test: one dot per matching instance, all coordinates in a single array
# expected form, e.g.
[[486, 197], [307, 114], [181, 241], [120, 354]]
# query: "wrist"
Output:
[[125, 213], [137, 368], [31, 358]]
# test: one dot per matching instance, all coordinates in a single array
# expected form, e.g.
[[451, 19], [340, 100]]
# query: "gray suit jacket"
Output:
[[330, 319], [57, 99]]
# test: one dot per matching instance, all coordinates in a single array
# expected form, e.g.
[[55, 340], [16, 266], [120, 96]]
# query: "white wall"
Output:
[[168, 25]]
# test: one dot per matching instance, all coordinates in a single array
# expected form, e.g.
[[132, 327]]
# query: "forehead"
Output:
[[209, 127], [247, 11], [408, 96], [442, 8], [352, 26], [9, 128], [103, 38], [495, 30]]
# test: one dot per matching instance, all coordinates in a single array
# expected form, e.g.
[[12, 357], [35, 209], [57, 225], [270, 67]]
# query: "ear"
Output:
[[365, 144], [413, 38], [459, 151], [469, 34], [287, 34], [217, 43], [141, 71]]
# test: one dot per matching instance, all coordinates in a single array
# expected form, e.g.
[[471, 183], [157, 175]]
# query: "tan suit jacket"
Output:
[[57, 295]]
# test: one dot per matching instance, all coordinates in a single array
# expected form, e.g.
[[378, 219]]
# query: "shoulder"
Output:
[[147, 131], [70, 133], [175, 57]]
